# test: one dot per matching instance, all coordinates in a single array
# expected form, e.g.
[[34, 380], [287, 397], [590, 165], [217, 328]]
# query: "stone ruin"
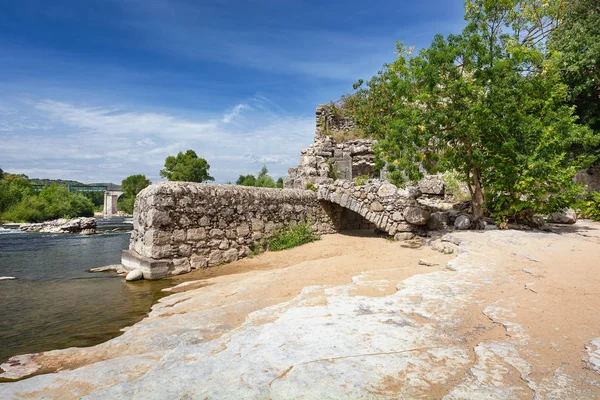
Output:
[[182, 226], [326, 160]]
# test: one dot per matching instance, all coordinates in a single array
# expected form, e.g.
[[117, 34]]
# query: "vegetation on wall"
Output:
[[489, 103], [292, 236]]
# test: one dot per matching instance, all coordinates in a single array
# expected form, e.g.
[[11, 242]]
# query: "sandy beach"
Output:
[[512, 315]]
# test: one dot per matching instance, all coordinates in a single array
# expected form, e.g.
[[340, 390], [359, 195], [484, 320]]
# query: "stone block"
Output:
[[196, 234]]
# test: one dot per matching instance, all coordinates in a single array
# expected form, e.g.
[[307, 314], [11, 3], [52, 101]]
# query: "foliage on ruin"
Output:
[[488, 103], [361, 180]]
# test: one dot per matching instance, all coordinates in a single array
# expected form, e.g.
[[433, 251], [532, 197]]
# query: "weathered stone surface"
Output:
[[462, 222], [134, 275], [416, 215], [404, 236], [376, 206], [566, 216], [86, 226], [210, 224], [387, 190], [432, 184], [438, 221], [443, 247]]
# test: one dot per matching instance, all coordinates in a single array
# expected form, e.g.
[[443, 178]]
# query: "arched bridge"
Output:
[[180, 226], [382, 204]]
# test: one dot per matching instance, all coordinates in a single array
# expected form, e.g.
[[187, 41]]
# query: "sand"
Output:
[[514, 315]]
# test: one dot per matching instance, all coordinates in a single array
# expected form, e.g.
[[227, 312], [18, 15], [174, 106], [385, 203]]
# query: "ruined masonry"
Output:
[[182, 226]]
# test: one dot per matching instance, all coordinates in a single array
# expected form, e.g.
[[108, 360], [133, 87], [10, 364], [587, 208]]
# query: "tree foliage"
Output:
[[131, 186], [577, 40], [187, 167], [52, 202], [262, 180], [488, 103]]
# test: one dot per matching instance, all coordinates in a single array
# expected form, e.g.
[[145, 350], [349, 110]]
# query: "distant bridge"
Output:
[[111, 197]]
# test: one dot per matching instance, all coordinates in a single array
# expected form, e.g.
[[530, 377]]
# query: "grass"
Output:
[[292, 236]]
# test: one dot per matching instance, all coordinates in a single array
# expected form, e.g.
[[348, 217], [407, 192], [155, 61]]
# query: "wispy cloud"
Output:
[[108, 143], [236, 111]]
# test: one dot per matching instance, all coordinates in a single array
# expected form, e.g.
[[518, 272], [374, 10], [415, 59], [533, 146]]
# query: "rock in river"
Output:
[[134, 275], [76, 225]]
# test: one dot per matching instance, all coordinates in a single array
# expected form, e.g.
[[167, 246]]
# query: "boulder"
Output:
[[565, 216], [462, 222], [416, 215], [438, 221], [432, 184], [404, 236], [76, 225], [134, 275]]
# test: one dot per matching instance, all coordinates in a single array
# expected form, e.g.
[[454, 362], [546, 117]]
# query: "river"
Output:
[[55, 302]]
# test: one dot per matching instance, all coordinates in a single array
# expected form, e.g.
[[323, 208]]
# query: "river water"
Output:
[[55, 302]]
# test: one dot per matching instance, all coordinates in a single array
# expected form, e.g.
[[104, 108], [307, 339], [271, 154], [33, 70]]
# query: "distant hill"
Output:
[[37, 181]]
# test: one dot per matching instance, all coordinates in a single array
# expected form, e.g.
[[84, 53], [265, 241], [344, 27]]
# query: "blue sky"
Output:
[[98, 90]]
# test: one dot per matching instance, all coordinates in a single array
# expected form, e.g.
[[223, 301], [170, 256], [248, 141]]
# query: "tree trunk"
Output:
[[477, 200]]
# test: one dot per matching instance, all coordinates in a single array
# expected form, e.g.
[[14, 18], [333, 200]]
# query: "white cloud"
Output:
[[108, 143]]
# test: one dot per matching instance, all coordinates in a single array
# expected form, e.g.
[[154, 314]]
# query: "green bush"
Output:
[[361, 180], [590, 206], [51, 203], [292, 236], [311, 186]]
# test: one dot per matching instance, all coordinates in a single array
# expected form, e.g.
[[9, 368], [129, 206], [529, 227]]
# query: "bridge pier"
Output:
[[111, 198]]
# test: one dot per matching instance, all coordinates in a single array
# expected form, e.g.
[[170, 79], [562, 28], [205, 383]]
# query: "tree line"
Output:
[[20, 202]]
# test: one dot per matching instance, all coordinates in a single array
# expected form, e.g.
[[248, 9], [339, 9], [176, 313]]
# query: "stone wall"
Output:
[[180, 226]]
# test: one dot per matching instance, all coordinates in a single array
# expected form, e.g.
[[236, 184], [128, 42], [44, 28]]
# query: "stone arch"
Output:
[[111, 198], [383, 205]]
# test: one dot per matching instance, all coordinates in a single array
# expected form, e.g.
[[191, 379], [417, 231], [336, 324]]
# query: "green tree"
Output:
[[246, 180], [262, 180], [1, 174], [577, 40], [131, 186], [488, 104], [134, 184], [186, 167]]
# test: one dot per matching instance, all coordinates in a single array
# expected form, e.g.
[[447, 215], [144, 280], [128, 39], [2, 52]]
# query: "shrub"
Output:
[[333, 172], [292, 236], [311, 186], [51, 203], [590, 206], [361, 180], [455, 185]]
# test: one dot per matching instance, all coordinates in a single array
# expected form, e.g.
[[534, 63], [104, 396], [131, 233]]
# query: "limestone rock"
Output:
[[416, 215], [462, 222], [376, 206], [7, 278], [404, 236], [387, 190], [134, 275], [88, 232], [443, 247], [75, 225], [432, 184], [565, 216], [438, 221]]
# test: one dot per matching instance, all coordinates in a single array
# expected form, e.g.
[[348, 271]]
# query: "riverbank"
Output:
[[512, 316]]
